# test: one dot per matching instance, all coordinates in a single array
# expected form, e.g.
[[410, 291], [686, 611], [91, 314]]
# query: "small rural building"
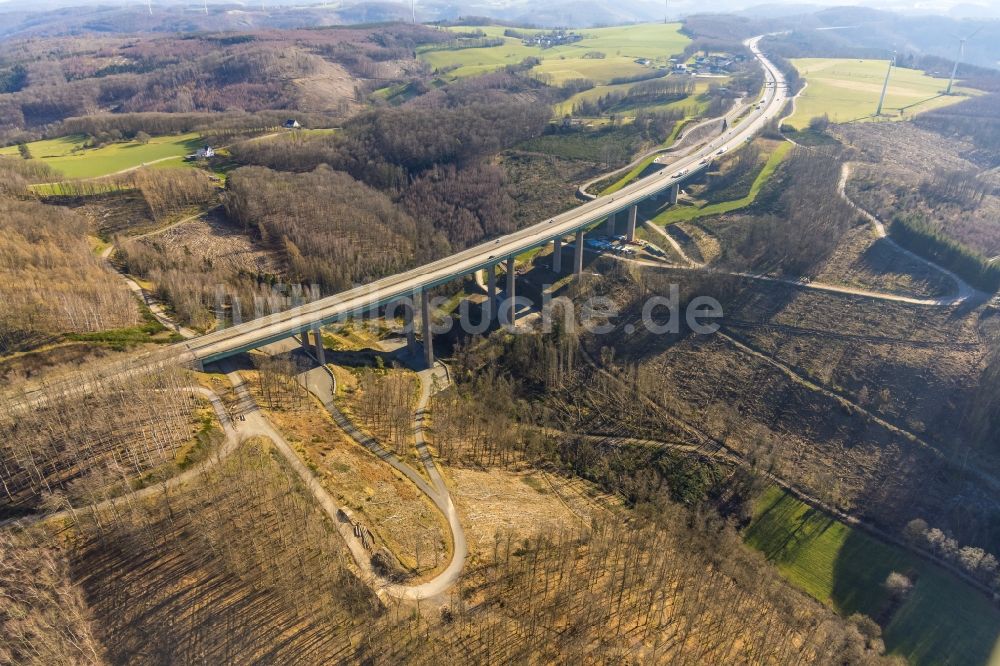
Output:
[[291, 123], [202, 153]]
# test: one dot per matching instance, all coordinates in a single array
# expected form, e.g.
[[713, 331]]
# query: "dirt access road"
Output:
[[320, 382]]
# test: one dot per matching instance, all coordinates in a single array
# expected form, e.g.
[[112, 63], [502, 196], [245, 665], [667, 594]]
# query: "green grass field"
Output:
[[561, 69], [685, 213], [639, 168], [848, 90], [691, 103], [942, 621], [67, 155], [594, 93], [634, 173], [621, 46]]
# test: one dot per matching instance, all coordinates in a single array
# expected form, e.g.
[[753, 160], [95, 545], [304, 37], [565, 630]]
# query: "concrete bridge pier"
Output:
[[673, 193], [633, 213], [557, 255], [410, 326], [609, 228], [425, 320], [491, 292], [510, 289], [320, 351], [305, 340], [578, 254]]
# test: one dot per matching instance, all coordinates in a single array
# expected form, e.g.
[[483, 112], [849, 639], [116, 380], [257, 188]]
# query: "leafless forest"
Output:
[[45, 618], [598, 492], [384, 405], [50, 280], [64, 445], [249, 544]]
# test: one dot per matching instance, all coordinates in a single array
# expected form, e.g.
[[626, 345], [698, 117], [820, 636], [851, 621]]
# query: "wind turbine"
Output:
[[885, 85], [961, 54]]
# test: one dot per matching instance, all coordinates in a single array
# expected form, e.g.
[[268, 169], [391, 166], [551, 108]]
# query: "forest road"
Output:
[[965, 290], [319, 381]]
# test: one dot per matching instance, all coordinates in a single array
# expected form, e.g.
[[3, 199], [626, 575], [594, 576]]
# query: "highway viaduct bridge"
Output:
[[413, 285], [411, 289]]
